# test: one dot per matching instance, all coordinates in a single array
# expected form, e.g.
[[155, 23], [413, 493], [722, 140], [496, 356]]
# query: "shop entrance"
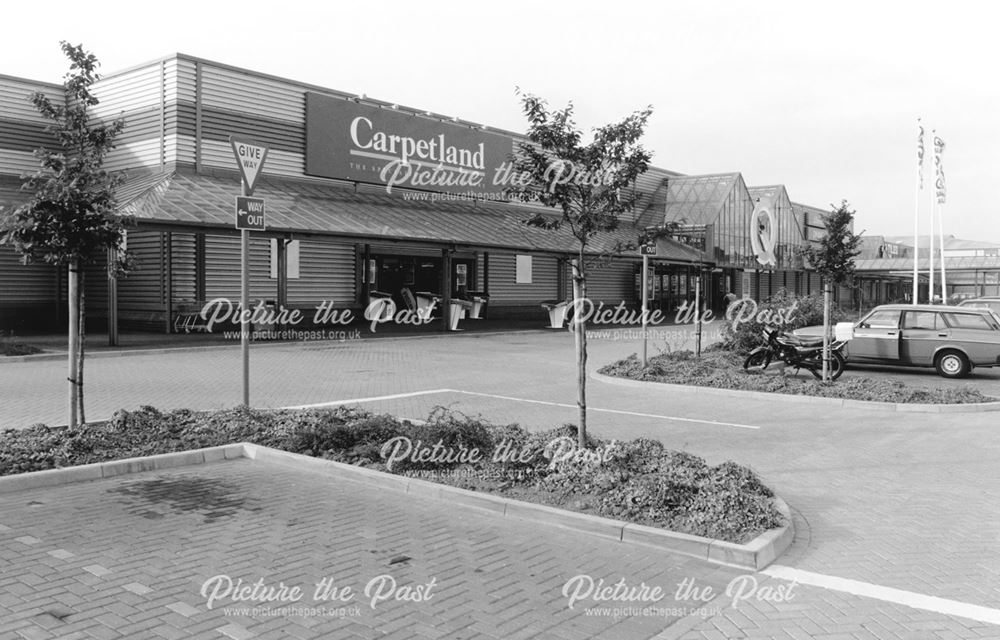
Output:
[[671, 286], [421, 275]]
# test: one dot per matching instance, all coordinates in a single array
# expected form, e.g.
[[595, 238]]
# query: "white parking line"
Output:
[[395, 396], [887, 594], [617, 411]]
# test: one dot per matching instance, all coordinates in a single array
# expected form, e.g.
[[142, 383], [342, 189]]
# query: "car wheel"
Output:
[[757, 361], [952, 364]]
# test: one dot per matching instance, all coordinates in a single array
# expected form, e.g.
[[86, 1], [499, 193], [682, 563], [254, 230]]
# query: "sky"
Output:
[[821, 98]]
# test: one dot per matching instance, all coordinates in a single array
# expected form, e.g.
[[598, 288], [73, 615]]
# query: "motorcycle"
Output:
[[796, 351]]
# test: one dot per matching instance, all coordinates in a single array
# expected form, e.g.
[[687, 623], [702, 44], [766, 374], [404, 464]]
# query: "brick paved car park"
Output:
[[898, 531]]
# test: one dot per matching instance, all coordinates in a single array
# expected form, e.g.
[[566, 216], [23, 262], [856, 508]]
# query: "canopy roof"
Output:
[[177, 197]]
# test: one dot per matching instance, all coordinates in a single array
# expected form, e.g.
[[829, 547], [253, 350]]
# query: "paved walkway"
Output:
[[904, 505], [143, 548]]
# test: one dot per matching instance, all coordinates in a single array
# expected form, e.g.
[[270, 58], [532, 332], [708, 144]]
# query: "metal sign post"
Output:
[[250, 159], [245, 304], [646, 249], [697, 315], [645, 304]]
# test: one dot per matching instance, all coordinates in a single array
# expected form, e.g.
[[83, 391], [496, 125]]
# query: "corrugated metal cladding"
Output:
[[14, 102], [21, 126], [272, 113], [96, 287], [29, 284], [141, 294], [504, 291], [146, 97], [222, 274], [327, 273], [183, 270], [611, 283], [406, 249]]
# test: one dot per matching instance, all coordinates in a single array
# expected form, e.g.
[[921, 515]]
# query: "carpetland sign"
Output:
[[366, 143]]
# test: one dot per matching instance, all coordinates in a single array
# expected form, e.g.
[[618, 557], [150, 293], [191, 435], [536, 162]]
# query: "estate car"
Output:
[[953, 340]]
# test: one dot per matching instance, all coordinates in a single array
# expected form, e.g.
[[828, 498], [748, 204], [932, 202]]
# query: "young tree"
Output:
[[70, 219], [590, 184], [833, 259]]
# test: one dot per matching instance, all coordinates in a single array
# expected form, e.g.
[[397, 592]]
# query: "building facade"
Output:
[[364, 198]]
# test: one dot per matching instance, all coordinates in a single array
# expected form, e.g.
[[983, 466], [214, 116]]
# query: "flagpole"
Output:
[[944, 282], [939, 188], [916, 212], [930, 237]]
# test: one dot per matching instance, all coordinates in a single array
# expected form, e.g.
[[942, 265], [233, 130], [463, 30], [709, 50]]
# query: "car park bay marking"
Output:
[[886, 594], [395, 396], [412, 394], [617, 411]]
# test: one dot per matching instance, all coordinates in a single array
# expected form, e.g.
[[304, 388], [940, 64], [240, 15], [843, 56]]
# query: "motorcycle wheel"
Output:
[[836, 367], [757, 361]]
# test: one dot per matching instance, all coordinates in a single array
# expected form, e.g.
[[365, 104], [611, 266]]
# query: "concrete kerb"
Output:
[[801, 399], [112, 468], [147, 351], [754, 555]]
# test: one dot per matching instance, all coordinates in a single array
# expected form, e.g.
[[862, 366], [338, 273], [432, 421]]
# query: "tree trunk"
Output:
[[73, 302], [826, 331], [82, 345], [580, 339]]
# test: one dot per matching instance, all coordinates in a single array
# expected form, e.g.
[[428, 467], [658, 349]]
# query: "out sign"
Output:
[[250, 213]]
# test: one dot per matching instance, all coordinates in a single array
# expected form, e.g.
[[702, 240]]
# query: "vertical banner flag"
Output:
[[939, 170], [920, 154]]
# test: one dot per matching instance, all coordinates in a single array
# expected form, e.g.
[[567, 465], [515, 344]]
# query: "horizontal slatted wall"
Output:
[[272, 113], [21, 126], [326, 272], [183, 268], [181, 141], [136, 96], [406, 249], [612, 283], [222, 268], [142, 289], [22, 284], [95, 283], [505, 291]]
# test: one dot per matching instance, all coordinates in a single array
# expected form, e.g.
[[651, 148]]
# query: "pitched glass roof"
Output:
[[697, 200]]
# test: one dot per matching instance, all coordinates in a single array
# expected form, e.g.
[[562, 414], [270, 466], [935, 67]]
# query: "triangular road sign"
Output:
[[250, 158]]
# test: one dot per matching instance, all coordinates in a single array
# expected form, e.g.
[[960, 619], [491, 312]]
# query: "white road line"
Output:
[[626, 413], [887, 594], [395, 396], [337, 403]]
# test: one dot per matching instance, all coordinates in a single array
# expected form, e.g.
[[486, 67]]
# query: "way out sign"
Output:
[[250, 213], [647, 249], [250, 158]]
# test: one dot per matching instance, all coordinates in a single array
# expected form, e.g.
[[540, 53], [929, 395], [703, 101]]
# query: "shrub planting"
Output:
[[785, 310], [723, 369], [639, 481]]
